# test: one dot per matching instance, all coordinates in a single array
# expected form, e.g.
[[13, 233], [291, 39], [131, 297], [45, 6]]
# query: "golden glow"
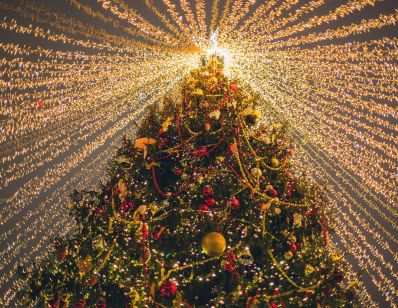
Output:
[[69, 90]]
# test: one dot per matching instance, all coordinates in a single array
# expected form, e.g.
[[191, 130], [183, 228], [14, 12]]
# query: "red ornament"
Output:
[[101, 304], [293, 247], [168, 289], [203, 209], [233, 203], [93, 281], [273, 192], [231, 256], [229, 267], [273, 305], [210, 202], [233, 87], [207, 191]]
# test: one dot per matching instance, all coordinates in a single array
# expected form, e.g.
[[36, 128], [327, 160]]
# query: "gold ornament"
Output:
[[213, 244], [245, 257], [256, 172], [198, 92], [288, 255], [309, 269], [215, 114], [275, 162]]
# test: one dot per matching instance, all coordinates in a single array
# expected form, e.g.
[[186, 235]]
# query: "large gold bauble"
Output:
[[214, 244]]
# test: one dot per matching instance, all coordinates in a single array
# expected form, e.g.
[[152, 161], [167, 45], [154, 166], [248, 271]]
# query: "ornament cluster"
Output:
[[202, 208]]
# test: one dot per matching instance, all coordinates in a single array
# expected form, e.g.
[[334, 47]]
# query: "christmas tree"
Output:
[[201, 209]]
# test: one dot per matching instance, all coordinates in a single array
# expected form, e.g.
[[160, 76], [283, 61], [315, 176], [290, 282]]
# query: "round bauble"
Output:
[[245, 257], [207, 191], [288, 255], [233, 203], [256, 172], [206, 104], [142, 209], [198, 92], [215, 114], [207, 126], [214, 244], [275, 162]]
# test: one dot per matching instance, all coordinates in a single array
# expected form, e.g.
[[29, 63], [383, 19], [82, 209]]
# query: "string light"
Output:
[[64, 107]]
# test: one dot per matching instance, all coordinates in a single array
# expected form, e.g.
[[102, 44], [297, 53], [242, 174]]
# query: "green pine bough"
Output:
[[202, 209]]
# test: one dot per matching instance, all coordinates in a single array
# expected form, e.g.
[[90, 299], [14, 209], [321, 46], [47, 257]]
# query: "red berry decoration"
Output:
[[168, 289], [231, 256], [293, 247], [210, 202], [207, 191], [233, 203], [233, 87], [229, 267]]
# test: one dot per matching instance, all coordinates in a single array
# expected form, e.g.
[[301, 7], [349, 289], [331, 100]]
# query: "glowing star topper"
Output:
[[214, 49]]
